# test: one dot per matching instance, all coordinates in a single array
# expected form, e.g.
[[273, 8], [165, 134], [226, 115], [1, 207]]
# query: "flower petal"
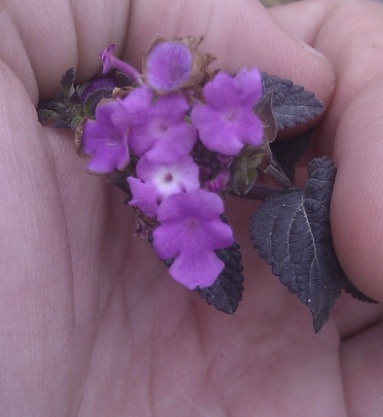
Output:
[[105, 143], [168, 66], [144, 196], [190, 231], [170, 178], [156, 127], [196, 269], [227, 122], [248, 86], [110, 61]]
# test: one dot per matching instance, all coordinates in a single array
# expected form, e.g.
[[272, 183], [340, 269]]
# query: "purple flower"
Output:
[[227, 122], [157, 128], [104, 142], [158, 180], [109, 62], [168, 66], [97, 84], [219, 183], [190, 231], [145, 197]]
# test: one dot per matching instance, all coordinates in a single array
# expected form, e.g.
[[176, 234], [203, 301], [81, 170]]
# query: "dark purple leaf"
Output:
[[291, 231], [292, 105], [349, 287], [93, 98], [74, 102], [287, 152], [68, 80], [226, 292]]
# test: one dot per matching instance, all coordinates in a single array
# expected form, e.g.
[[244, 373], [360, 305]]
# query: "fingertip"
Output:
[[239, 34], [357, 203]]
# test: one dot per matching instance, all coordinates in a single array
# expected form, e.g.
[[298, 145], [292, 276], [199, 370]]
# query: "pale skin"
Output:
[[91, 325]]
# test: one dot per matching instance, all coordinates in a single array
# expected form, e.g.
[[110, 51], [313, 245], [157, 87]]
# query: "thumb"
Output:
[[239, 34]]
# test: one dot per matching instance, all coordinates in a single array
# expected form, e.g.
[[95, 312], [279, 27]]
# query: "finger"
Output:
[[354, 127], [35, 311], [303, 19], [357, 202], [351, 129], [240, 33], [40, 43]]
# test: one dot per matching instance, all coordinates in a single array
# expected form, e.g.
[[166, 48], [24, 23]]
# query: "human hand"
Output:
[[90, 322]]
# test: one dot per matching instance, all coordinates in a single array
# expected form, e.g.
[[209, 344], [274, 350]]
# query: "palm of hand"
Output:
[[102, 329], [92, 324]]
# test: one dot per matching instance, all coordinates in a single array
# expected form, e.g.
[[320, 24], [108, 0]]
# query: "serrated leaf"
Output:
[[46, 116], [349, 287], [291, 231], [292, 105], [67, 81], [226, 292], [91, 101], [72, 105], [287, 152]]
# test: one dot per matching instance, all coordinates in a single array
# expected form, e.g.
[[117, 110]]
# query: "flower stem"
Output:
[[278, 175], [258, 192]]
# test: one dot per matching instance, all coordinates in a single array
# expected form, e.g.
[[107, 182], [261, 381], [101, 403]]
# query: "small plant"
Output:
[[179, 138]]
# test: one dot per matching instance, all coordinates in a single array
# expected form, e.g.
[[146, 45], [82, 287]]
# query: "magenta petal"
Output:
[[216, 133], [170, 147], [220, 92], [156, 127], [198, 203], [171, 107], [170, 178], [133, 109], [227, 121], [166, 239], [102, 163], [168, 66], [249, 129], [106, 56], [110, 61], [248, 85], [105, 143], [190, 231], [193, 270], [144, 196]]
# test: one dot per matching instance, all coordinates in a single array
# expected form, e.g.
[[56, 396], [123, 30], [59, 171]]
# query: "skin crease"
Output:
[[90, 322]]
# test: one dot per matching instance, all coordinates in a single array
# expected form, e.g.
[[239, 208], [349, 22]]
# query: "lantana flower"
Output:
[[157, 181], [168, 66], [110, 61], [104, 142], [157, 127], [173, 65], [227, 121], [144, 196], [96, 85], [190, 231], [219, 183]]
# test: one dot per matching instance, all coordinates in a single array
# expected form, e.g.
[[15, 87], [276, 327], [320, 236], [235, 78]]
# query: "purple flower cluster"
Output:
[[177, 109]]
